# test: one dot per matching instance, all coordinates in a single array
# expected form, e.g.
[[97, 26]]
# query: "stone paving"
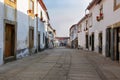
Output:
[[61, 64]]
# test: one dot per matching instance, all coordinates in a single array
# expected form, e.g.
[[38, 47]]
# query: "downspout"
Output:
[[36, 26]]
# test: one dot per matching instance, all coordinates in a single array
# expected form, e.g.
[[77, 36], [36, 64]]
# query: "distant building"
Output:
[[61, 41], [74, 36]]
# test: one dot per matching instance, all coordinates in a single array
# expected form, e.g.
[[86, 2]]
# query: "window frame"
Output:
[[31, 9], [116, 6]]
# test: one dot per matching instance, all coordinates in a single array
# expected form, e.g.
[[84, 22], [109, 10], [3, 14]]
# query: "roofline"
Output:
[[85, 17], [42, 5], [44, 8], [72, 26], [93, 3]]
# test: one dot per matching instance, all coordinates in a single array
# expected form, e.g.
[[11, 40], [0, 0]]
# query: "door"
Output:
[[108, 42], [92, 41], [31, 38], [100, 42], [39, 42], [9, 40], [117, 44], [87, 41]]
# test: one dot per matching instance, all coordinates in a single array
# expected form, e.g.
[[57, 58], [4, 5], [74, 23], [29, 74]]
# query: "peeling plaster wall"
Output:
[[22, 29]]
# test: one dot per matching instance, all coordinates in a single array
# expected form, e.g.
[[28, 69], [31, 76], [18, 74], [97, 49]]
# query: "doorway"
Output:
[[31, 38], [108, 42], [118, 46], [9, 42], [87, 41], [100, 42], [117, 43], [92, 41]]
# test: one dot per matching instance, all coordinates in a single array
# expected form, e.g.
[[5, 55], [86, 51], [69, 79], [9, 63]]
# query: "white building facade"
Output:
[[103, 28], [21, 28]]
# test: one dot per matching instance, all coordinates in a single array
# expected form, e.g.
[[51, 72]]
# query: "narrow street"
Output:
[[61, 64]]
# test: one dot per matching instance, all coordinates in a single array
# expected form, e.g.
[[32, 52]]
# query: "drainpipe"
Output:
[[37, 26]]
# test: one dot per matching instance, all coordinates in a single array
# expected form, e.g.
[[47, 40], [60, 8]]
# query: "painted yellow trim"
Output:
[[10, 3]]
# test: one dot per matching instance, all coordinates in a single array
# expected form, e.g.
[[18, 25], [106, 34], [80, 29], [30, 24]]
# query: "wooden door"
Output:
[[31, 38], [9, 40]]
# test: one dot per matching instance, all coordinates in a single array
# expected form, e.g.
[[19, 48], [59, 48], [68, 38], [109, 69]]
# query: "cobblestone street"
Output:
[[61, 64]]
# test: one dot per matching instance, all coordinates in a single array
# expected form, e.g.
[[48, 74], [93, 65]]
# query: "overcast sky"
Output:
[[64, 13]]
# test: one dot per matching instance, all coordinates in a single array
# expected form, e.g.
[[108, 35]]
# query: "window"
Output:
[[31, 8], [116, 4], [11, 3], [80, 28], [101, 9], [90, 20], [32, 5], [41, 15]]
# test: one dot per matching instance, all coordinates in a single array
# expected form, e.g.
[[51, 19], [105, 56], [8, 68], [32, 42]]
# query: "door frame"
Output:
[[100, 39], [15, 43]]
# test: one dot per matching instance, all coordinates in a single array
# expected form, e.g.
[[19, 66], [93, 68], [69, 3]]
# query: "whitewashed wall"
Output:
[[81, 35], [110, 17], [22, 29], [41, 27], [1, 30], [24, 22]]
